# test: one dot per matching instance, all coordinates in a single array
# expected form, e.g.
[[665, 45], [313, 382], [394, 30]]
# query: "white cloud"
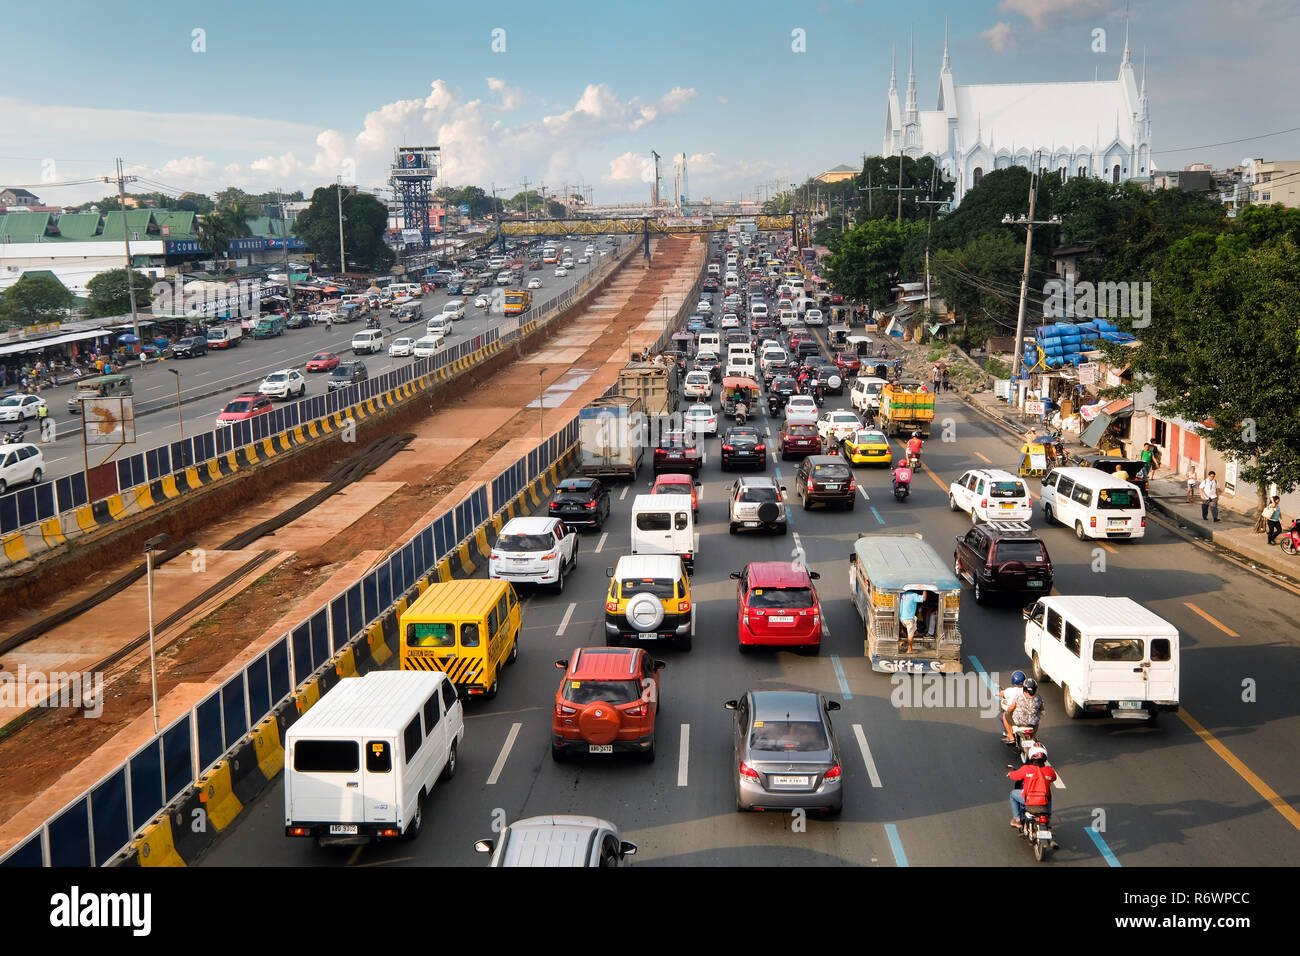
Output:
[[627, 168], [512, 97], [1041, 12], [1000, 37]]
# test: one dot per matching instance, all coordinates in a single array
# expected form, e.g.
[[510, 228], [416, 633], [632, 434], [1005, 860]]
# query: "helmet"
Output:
[[902, 463], [1038, 752], [1017, 678], [1031, 686], [916, 434]]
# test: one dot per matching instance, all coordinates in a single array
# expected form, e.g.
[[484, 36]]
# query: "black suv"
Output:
[[1003, 557], [743, 445], [580, 502], [347, 373], [190, 347]]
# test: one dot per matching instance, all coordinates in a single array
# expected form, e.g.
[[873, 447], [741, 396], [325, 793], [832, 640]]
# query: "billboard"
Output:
[[108, 421]]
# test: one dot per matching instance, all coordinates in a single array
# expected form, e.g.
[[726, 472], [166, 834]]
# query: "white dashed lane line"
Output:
[[504, 755], [866, 756], [564, 621], [684, 755]]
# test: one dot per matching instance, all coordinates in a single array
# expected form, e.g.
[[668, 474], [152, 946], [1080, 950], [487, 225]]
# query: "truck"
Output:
[[269, 326], [611, 437], [883, 569], [906, 406], [224, 336], [654, 383], [517, 301]]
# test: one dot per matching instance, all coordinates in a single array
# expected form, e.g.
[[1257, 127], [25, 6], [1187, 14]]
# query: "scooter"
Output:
[[13, 435], [1036, 828], [1023, 738], [774, 404], [902, 489], [818, 396], [913, 460], [1290, 540]]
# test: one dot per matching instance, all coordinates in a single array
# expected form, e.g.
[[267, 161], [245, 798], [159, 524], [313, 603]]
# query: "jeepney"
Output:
[[103, 386], [882, 568], [838, 337], [746, 388]]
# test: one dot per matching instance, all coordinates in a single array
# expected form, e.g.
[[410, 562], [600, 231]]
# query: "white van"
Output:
[[708, 342], [989, 494], [773, 356], [758, 311], [664, 524], [715, 269], [865, 393], [368, 342], [360, 763], [1107, 653], [741, 365], [440, 324], [732, 281], [1093, 503]]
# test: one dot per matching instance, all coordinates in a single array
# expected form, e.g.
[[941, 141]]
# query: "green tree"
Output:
[[365, 221], [864, 261], [109, 295], [219, 227], [530, 202], [1222, 346], [921, 180], [980, 283], [35, 299]]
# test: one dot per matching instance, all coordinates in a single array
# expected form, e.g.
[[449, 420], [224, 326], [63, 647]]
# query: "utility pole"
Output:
[[525, 197], [284, 230], [1029, 222], [343, 262], [121, 180]]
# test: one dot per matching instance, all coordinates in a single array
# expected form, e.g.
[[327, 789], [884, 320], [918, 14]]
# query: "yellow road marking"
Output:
[[1107, 547], [925, 469], [1259, 786], [1213, 620], [986, 461]]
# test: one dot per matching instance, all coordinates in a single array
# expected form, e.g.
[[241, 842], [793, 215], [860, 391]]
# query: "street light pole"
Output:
[[180, 418], [541, 407], [150, 546]]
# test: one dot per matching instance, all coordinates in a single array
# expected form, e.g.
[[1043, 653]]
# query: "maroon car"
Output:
[[849, 363], [799, 438], [676, 452]]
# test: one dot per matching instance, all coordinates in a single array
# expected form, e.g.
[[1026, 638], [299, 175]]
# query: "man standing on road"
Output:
[[42, 415], [1210, 497], [937, 377]]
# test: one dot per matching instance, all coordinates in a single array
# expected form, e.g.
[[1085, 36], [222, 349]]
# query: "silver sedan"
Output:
[[786, 754]]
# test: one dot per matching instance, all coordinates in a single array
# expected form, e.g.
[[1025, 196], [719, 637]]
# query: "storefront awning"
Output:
[[1109, 413]]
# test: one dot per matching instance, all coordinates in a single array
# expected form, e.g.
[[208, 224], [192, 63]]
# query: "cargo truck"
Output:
[[611, 437], [223, 336], [906, 406], [655, 384]]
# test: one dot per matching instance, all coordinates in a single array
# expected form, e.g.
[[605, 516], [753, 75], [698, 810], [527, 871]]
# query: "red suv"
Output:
[[669, 484], [849, 363], [243, 408], [675, 452], [777, 606], [799, 438], [606, 703]]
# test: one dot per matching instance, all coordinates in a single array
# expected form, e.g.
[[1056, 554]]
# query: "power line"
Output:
[[1229, 142]]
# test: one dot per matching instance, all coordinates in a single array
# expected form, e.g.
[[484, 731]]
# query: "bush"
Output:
[[997, 368]]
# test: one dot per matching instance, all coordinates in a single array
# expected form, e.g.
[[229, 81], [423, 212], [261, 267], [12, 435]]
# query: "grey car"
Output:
[[786, 754], [561, 840]]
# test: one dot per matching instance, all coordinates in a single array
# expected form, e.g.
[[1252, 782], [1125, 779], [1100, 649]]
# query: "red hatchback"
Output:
[[323, 362], [673, 484], [777, 606], [243, 408], [607, 702]]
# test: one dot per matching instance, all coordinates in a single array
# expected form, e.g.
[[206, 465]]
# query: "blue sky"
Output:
[[291, 94]]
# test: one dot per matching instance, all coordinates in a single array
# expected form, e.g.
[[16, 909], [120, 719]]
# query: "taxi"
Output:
[[867, 447]]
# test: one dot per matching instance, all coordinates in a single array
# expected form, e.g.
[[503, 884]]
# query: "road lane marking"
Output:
[[505, 753], [877, 514], [564, 622], [895, 844], [623, 494], [983, 459], [1232, 760], [1111, 858], [862, 490], [839, 676], [1213, 620], [600, 545], [866, 756], [1107, 547], [684, 755]]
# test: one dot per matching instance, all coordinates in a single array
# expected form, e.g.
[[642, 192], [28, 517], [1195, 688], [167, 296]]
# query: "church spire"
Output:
[[946, 67], [1126, 61], [893, 69], [911, 76]]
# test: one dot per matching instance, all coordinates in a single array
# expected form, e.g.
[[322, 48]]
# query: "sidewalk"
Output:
[[1166, 498]]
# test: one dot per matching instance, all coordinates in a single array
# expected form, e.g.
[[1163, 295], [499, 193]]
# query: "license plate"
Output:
[[1035, 584], [600, 749], [519, 560], [342, 829], [751, 524], [675, 454], [1044, 836], [648, 636], [783, 619], [831, 487], [1130, 705], [1118, 522], [789, 781], [1008, 505]]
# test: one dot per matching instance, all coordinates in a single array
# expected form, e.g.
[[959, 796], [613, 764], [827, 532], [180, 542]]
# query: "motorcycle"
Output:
[[773, 405], [1036, 828], [372, 323], [1022, 739], [913, 460], [819, 396], [902, 489], [1290, 540], [13, 435], [742, 415]]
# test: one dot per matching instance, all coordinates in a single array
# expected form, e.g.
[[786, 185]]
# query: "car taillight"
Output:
[[683, 606], [747, 771], [728, 448], [833, 773], [810, 485], [494, 556], [1092, 522], [562, 711], [853, 486], [640, 710], [1144, 522], [611, 606], [760, 448], [590, 504], [984, 503], [547, 557]]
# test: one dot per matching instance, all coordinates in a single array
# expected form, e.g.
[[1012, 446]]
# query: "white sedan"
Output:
[[561, 272], [402, 346], [17, 407], [837, 425], [731, 321], [285, 383], [801, 408], [814, 317], [700, 420], [534, 283], [704, 307]]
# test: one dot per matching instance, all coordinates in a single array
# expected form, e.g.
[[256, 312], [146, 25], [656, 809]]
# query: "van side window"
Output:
[[1065, 487], [412, 738], [1072, 642], [1160, 649], [681, 520], [469, 635], [1050, 480], [448, 695], [502, 609], [654, 521], [1054, 623], [510, 593], [1082, 494], [1117, 649], [492, 624], [379, 757], [1037, 614], [431, 714]]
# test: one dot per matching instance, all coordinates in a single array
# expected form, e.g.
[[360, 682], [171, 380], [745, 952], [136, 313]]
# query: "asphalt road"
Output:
[[251, 361], [923, 785]]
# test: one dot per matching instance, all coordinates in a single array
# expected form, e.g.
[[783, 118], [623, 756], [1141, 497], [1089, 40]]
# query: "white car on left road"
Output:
[[401, 346], [536, 550], [15, 408], [286, 383]]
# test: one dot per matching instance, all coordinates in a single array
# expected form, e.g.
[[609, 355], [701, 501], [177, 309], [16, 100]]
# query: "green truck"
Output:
[[269, 326]]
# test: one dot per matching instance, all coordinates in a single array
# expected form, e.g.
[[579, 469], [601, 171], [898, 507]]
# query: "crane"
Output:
[[654, 192]]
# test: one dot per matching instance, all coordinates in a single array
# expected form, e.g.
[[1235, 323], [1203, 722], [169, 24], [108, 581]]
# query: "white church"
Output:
[[1100, 128]]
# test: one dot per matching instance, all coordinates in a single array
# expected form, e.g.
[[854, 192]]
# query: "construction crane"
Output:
[[654, 191]]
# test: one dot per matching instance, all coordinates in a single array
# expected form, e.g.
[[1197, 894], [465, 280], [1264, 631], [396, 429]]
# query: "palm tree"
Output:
[[220, 226]]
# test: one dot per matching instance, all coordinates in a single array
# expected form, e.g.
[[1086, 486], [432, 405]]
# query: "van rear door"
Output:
[[325, 781], [382, 760], [1116, 667]]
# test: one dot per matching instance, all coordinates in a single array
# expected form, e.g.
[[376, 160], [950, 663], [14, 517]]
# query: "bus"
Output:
[[517, 302], [550, 255]]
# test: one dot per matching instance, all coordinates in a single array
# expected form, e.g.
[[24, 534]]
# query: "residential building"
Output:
[[838, 174], [13, 196], [1275, 182]]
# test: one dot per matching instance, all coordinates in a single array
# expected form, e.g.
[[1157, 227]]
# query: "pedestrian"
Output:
[[1192, 482], [1210, 497], [1273, 514], [944, 369], [47, 423], [937, 377], [1148, 457]]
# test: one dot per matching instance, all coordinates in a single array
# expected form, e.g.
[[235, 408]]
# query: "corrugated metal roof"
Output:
[[137, 221], [80, 226], [379, 704], [23, 226]]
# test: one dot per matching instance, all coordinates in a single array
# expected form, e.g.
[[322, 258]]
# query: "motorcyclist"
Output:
[[1035, 779], [742, 411], [773, 404], [902, 474], [884, 353], [1028, 709], [1009, 697], [914, 446], [819, 392]]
